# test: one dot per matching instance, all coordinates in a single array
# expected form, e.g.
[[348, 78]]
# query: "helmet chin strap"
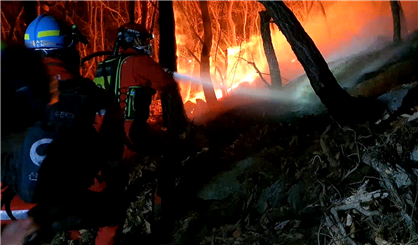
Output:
[[145, 49]]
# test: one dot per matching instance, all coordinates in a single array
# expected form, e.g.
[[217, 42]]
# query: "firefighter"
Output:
[[71, 161], [134, 77], [26, 92]]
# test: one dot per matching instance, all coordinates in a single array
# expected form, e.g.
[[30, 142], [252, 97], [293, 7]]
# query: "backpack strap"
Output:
[[6, 200], [114, 77]]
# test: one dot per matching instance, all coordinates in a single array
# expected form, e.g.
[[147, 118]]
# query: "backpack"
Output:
[[108, 76], [74, 112]]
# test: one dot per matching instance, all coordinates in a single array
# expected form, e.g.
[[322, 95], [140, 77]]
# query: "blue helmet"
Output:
[[46, 33]]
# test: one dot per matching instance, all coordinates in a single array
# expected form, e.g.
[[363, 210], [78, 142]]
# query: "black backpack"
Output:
[[58, 142]]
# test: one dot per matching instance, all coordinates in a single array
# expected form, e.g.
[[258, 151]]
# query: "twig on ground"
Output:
[[319, 232], [350, 172]]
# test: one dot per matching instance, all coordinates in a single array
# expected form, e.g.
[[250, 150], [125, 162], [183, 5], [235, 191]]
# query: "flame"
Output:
[[349, 27]]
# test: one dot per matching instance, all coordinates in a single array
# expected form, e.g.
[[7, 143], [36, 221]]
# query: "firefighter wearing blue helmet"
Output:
[[62, 164], [55, 40]]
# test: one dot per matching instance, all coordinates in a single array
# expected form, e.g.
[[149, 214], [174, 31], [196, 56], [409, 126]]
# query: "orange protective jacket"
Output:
[[141, 70]]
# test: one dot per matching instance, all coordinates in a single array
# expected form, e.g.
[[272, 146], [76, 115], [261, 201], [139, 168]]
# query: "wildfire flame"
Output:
[[348, 27]]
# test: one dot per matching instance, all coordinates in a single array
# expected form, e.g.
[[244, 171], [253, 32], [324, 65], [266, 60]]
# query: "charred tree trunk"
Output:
[[173, 108], [338, 101], [144, 12], [31, 11], [404, 28], [175, 119], [131, 9], [395, 7], [205, 57], [167, 52], [276, 79]]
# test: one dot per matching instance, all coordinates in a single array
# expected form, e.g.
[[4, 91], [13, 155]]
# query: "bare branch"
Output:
[[257, 70], [189, 21]]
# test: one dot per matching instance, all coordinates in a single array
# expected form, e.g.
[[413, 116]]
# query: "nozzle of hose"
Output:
[[168, 71]]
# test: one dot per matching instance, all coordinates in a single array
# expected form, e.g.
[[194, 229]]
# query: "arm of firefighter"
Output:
[[151, 71]]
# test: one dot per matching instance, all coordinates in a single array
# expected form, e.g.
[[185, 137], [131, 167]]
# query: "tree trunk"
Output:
[[31, 11], [155, 29], [13, 24], [38, 7], [167, 52], [144, 12], [205, 57], [131, 10], [232, 24], [174, 116], [321, 78], [276, 79], [395, 7], [404, 29], [65, 10], [175, 119]]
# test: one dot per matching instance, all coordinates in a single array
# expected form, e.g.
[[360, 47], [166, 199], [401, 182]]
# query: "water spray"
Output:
[[255, 93]]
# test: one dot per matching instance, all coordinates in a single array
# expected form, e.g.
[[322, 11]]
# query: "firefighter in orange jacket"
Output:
[[134, 77], [55, 42]]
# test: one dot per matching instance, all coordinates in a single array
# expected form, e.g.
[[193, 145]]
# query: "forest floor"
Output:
[[263, 178]]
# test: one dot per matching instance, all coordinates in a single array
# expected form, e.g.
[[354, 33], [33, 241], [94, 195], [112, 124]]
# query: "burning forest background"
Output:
[[236, 55]]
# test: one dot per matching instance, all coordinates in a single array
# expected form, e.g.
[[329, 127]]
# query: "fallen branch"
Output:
[[354, 202], [384, 170]]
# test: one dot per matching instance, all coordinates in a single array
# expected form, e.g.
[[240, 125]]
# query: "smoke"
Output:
[[250, 93], [350, 28]]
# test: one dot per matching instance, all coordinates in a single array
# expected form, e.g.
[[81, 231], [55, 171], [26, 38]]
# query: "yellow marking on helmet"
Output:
[[53, 33], [26, 36]]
